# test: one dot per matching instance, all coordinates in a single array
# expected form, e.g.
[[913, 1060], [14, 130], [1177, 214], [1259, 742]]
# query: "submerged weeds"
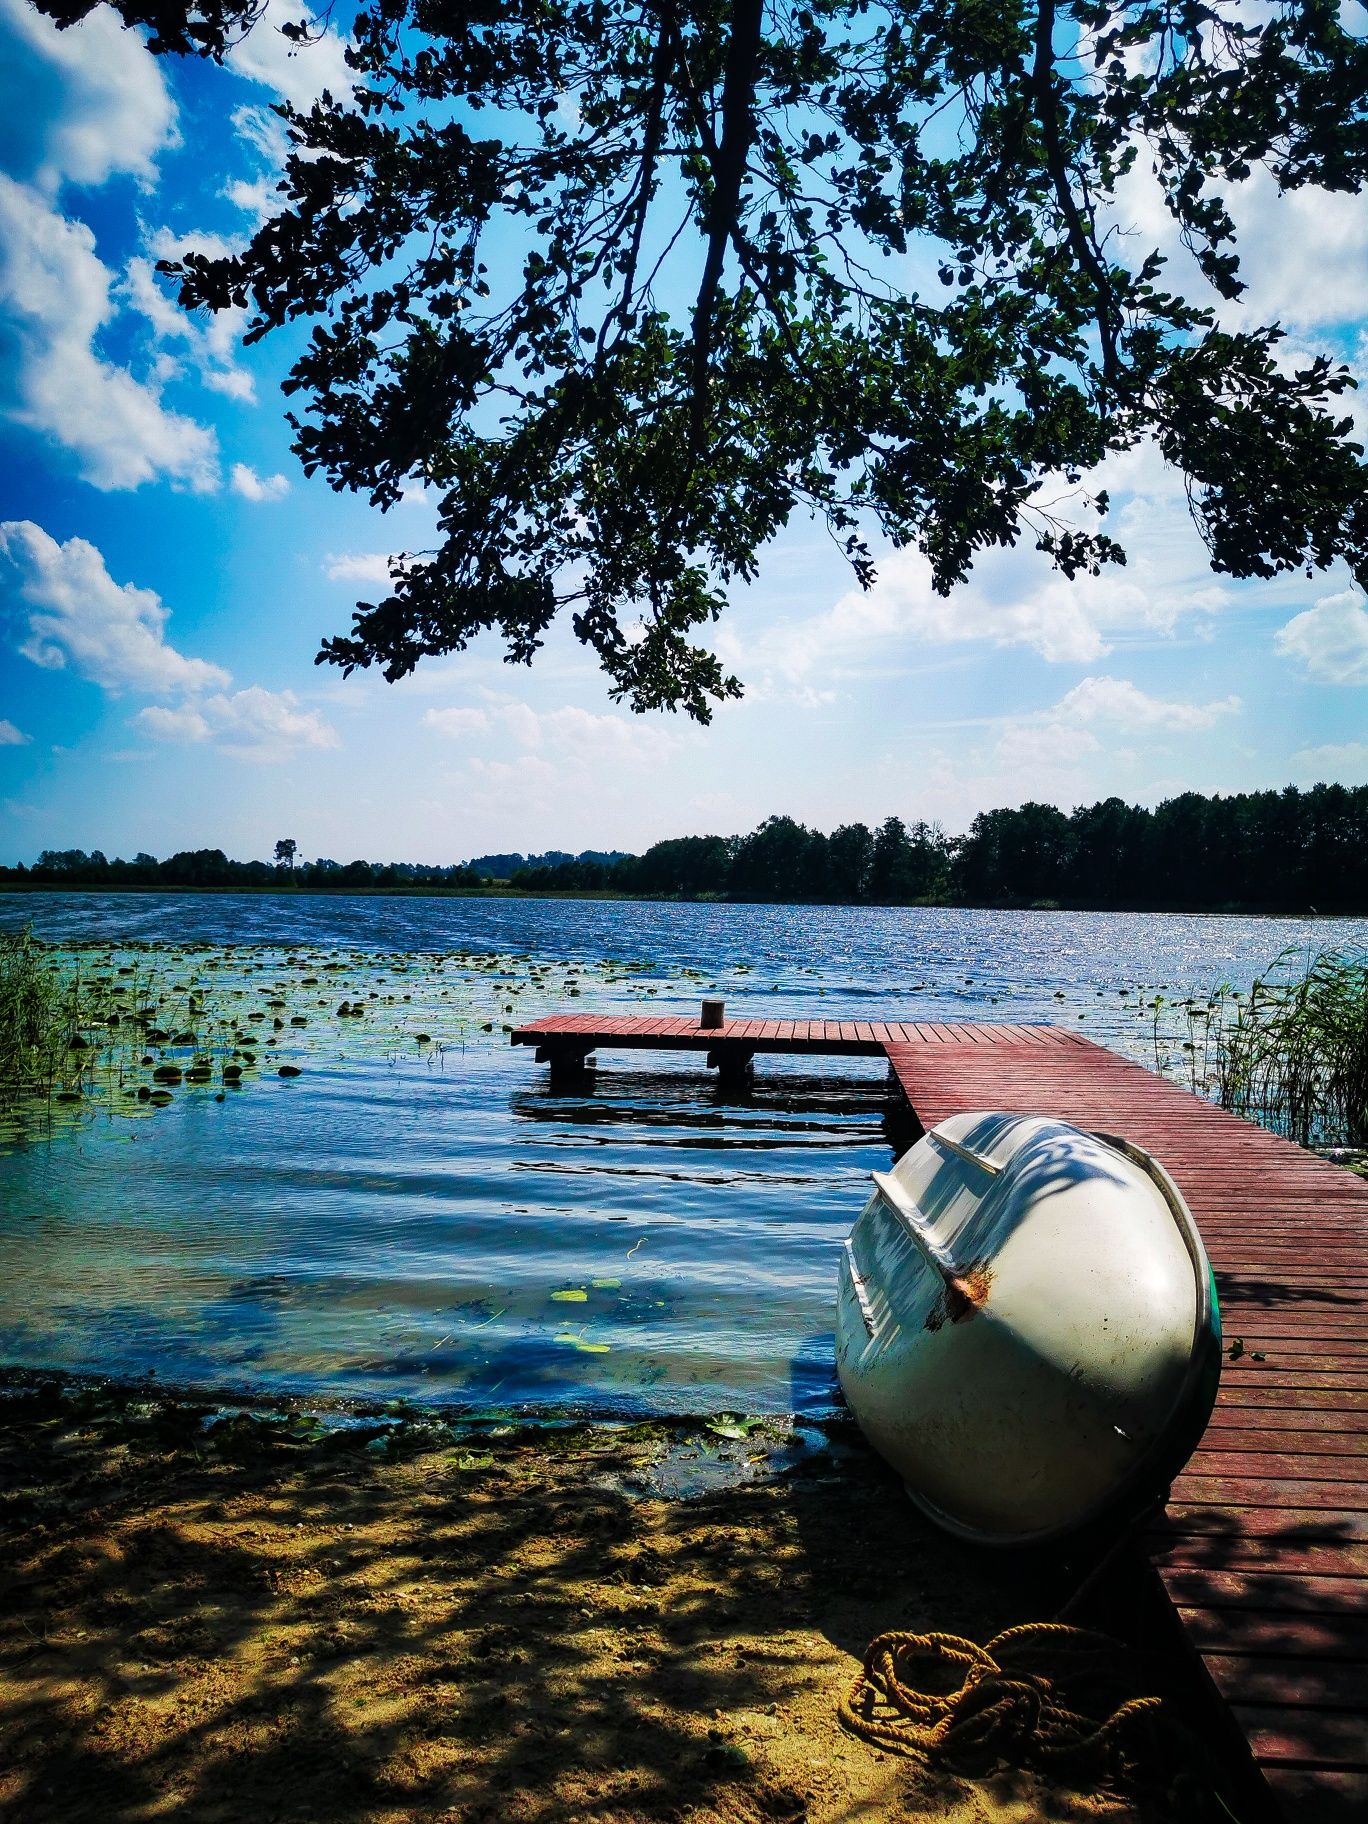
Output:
[[1292, 1054]]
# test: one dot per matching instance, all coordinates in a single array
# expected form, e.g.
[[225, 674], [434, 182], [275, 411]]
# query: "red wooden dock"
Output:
[[1263, 1548]]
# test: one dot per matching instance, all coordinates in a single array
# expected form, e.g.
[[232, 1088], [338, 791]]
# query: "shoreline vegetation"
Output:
[[1280, 852], [1290, 1052]]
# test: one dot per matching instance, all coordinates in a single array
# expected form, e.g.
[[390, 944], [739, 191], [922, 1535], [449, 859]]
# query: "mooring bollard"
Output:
[[712, 1014]]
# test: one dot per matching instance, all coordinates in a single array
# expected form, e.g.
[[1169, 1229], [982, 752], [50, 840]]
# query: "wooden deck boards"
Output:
[[834, 1038], [1263, 1547]]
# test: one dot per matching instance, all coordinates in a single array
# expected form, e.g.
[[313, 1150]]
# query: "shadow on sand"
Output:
[[247, 1624]]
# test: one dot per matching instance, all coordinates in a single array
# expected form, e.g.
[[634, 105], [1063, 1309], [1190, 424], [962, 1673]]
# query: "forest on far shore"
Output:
[[1275, 851]]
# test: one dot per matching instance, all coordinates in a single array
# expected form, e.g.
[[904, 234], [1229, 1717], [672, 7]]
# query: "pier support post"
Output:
[[571, 1064], [734, 1066], [902, 1129]]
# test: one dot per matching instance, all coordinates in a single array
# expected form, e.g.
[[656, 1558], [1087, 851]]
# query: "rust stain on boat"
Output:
[[964, 1295]]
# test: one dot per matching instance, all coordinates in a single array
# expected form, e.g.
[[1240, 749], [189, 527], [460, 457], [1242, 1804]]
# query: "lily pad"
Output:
[[727, 1425]]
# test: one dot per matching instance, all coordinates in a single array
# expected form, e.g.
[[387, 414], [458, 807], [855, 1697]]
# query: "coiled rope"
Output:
[[1005, 1700]]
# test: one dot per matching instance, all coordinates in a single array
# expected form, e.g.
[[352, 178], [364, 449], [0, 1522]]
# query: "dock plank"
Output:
[[1263, 1546]]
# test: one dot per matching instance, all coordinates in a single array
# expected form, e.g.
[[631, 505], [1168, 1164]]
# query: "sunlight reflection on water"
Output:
[[431, 1222]]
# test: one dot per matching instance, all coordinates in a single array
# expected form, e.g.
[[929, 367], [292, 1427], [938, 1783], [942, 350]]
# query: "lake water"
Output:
[[416, 1215]]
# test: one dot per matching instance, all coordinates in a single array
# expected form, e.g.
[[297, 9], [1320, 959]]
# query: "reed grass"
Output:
[[35, 1017], [1292, 1054]]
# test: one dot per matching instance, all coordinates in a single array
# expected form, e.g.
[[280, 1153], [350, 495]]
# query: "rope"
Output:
[[1004, 1699]]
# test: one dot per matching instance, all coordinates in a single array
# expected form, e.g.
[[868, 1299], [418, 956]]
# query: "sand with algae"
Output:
[[211, 1615]]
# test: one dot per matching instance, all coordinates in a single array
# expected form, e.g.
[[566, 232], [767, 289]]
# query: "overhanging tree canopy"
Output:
[[629, 282]]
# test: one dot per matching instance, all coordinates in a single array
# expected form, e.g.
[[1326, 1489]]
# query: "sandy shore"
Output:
[[239, 1620]]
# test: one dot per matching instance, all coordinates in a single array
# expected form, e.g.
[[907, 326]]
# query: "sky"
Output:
[[167, 571]]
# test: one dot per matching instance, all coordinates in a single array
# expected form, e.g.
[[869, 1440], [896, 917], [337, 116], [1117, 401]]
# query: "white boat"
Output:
[[1027, 1327]]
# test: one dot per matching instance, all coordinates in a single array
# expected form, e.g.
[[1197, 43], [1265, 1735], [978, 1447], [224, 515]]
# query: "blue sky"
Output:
[[166, 571]]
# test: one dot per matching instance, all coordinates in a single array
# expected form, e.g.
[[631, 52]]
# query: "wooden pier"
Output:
[[1263, 1547]]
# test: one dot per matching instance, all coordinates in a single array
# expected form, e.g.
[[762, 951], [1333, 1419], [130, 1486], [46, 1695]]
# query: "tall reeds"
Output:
[[35, 1022], [1291, 1054]]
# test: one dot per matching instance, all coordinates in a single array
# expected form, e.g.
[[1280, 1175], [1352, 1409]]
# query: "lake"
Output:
[[417, 1216]]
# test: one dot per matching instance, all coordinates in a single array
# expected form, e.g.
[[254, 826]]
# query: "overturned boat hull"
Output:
[[1027, 1327]]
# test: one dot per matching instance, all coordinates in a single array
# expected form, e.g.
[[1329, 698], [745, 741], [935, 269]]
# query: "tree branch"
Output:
[[1080, 239], [728, 173]]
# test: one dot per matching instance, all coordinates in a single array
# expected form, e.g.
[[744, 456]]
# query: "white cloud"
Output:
[[251, 724], [1342, 763], [1122, 705], [1104, 735], [577, 737], [1330, 640], [296, 73], [457, 722], [79, 617], [1282, 240], [10, 736], [259, 198], [58, 296], [263, 133], [210, 345], [251, 486], [1011, 600], [526, 788], [92, 101], [115, 635], [358, 567], [1068, 732]]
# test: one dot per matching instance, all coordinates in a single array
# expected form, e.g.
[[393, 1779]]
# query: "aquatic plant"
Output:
[[35, 1025], [1292, 1054], [120, 1030]]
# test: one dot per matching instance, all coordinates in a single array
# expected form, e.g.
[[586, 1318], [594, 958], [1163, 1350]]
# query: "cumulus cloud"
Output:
[[1120, 704], [77, 618], [210, 346], [1032, 743], [80, 618], [1012, 599], [358, 567], [251, 486], [1340, 763], [188, 723], [87, 103], [57, 294], [10, 736], [295, 73], [251, 724], [574, 736], [83, 106], [457, 722], [1098, 710], [263, 134], [1101, 736], [1281, 240], [256, 197], [1330, 639]]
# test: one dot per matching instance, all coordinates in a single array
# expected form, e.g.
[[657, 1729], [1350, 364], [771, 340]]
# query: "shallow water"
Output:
[[424, 1219]]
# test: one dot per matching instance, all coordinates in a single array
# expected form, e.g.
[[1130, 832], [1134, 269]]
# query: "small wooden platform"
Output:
[[1263, 1548]]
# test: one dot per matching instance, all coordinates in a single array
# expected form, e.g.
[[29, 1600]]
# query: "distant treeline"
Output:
[[1287, 851], [501, 867], [210, 869], [1284, 851]]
